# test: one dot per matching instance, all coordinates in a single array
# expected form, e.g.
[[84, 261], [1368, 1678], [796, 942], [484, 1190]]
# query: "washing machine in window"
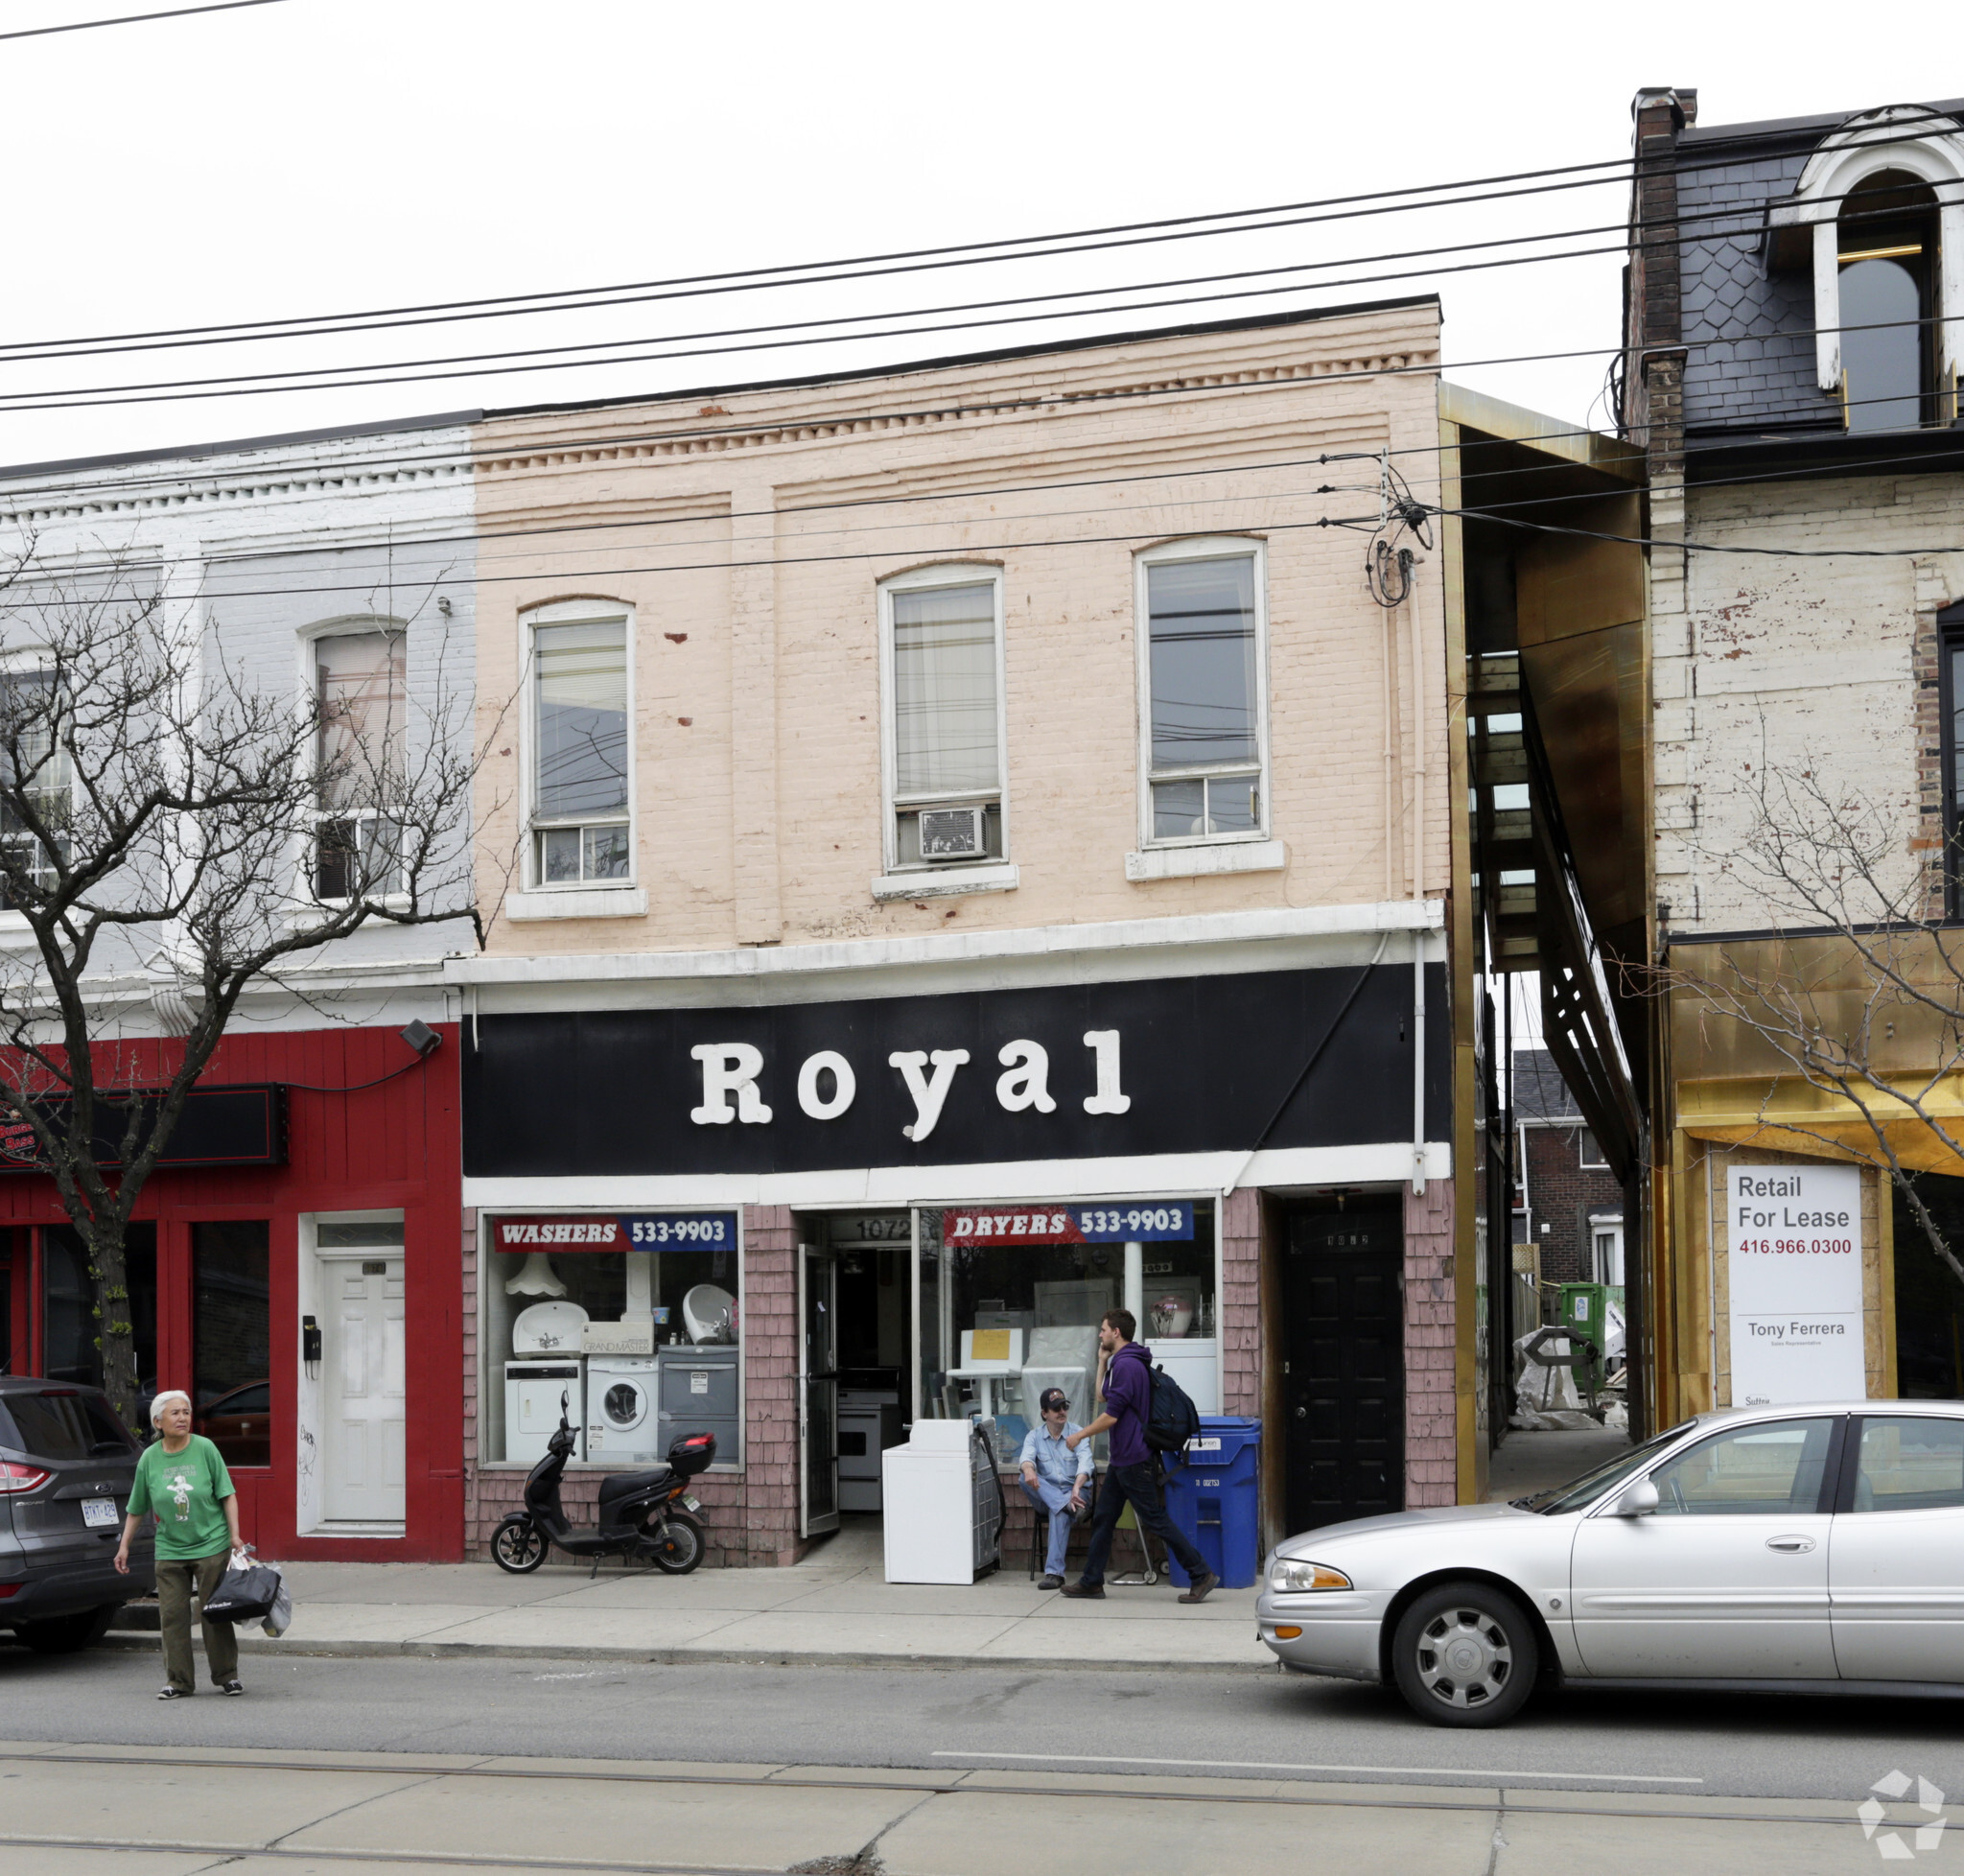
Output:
[[623, 1408]]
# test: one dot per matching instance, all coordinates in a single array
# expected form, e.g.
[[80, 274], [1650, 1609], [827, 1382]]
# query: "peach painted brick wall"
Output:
[[757, 695], [1431, 1419]]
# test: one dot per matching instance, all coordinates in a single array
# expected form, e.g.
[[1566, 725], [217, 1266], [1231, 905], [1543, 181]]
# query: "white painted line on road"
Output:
[[1489, 1776]]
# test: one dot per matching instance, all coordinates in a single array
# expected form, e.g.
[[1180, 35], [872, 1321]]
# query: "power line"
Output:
[[136, 19], [818, 273]]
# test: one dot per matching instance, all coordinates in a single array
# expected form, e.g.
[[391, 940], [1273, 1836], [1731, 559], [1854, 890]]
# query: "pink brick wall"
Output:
[[769, 1527], [1240, 1292], [1430, 1422]]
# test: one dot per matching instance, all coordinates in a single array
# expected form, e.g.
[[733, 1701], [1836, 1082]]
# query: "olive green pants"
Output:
[[175, 1583]]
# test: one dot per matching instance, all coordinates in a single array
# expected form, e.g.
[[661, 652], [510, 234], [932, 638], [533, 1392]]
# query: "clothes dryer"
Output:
[[623, 1408]]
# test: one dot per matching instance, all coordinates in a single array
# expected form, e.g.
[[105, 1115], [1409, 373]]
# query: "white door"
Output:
[[1896, 1562], [361, 1378], [1728, 1578]]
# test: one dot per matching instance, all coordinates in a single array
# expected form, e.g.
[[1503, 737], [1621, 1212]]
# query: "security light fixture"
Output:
[[421, 1038]]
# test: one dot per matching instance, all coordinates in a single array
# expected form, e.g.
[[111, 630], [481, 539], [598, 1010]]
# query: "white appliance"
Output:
[[709, 1313], [1196, 1364], [623, 1408], [532, 1391], [943, 1517], [544, 1364]]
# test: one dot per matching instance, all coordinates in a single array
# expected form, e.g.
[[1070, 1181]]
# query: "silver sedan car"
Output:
[[1800, 1549]]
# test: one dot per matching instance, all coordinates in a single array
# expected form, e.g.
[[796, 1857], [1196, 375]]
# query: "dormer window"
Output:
[[1879, 215], [1887, 242]]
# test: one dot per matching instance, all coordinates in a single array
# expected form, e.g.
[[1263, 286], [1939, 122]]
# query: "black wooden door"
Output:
[[1343, 1380]]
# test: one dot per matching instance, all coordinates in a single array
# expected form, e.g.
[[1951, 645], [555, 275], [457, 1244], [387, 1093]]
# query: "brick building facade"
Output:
[[1157, 1002], [1568, 1205]]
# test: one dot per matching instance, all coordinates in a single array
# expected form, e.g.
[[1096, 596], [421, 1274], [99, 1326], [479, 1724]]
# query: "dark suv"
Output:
[[66, 1466]]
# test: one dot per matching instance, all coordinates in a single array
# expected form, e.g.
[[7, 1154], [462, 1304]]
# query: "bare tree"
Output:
[[1860, 997], [172, 833]]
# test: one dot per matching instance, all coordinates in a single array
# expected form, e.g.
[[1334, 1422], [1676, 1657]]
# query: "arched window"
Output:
[[1887, 245], [1878, 213]]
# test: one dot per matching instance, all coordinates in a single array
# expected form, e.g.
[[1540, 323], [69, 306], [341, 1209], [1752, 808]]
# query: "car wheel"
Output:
[[518, 1546], [66, 1634], [1465, 1655]]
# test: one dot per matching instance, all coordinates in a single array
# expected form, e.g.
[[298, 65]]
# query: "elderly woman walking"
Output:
[[183, 1480]]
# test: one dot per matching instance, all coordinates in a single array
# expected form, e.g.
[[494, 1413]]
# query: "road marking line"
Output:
[[1258, 1765]]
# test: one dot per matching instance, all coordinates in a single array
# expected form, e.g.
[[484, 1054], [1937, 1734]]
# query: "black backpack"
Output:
[[1174, 1419]]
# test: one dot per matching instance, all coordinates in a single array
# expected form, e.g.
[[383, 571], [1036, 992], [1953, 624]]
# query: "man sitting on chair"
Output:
[[1054, 1478]]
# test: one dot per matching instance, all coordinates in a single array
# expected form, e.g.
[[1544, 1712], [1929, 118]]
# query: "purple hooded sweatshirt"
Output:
[[1129, 1398]]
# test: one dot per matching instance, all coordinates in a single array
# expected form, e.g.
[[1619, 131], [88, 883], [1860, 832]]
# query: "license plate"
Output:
[[694, 1503], [98, 1512]]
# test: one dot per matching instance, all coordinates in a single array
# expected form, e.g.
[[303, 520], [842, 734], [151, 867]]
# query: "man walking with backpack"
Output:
[[1133, 1475]]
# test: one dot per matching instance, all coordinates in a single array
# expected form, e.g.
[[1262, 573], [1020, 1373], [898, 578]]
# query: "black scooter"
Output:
[[647, 1517]]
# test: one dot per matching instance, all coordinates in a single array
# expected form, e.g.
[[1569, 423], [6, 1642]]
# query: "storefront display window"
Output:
[[231, 1331], [1011, 1297], [68, 1322], [629, 1323]]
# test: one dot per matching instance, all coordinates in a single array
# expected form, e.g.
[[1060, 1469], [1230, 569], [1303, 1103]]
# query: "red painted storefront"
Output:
[[389, 1148]]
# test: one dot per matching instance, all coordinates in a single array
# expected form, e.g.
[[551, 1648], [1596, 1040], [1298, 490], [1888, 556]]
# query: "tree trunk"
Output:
[[108, 1269]]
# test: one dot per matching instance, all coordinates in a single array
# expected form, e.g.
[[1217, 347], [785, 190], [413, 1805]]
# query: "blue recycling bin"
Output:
[[1214, 1496]]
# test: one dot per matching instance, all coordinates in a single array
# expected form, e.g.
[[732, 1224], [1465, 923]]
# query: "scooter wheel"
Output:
[[519, 1546], [679, 1549]]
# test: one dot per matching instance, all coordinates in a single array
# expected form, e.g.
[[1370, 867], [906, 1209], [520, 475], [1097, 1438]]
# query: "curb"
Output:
[[125, 1641]]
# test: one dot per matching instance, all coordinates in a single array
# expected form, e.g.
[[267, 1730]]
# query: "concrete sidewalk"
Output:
[[834, 1608]]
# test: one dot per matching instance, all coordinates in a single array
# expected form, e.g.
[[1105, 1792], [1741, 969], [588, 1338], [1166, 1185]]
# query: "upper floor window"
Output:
[[1592, 1160], [1884, 260], [581, 820], [40, 782], [943, 633], [358, 684], [1202, 682]]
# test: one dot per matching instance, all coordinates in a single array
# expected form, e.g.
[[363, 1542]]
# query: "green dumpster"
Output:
[[1585, 1312]]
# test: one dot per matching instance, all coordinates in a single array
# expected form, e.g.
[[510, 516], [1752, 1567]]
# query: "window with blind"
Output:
[[581, 820], [945, 735], [358, 680], [1202, 716]]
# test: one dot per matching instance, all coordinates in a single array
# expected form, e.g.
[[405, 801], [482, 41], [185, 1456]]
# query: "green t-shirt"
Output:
[[185, 1490]]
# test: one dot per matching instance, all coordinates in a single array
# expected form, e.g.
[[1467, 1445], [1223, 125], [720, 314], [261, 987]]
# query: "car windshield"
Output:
[[61, 1424], [1581, 1493]]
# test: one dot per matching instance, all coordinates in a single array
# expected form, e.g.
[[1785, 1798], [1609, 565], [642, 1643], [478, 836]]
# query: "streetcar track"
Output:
[[1313, 1795]]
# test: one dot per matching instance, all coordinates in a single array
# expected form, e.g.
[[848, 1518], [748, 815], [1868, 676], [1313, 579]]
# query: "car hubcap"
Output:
[[1465, 1657]]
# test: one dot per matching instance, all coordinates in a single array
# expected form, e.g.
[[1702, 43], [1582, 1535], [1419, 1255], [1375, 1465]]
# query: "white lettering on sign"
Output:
[[929, 1093], [844, 1085], [1027, 1084], [1793, 1265], [1107, 1099], [533, 1232], [729, 1068]]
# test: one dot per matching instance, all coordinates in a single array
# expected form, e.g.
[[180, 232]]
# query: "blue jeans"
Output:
[[1049, 1497]]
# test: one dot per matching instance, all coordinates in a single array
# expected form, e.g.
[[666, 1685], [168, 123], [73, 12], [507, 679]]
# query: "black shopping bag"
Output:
[[246, 1593]]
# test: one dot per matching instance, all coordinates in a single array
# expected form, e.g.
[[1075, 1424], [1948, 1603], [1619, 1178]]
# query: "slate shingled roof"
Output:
[[1763, 376]]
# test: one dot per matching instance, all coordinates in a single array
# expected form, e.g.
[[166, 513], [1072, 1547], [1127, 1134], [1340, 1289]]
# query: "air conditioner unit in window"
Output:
[[949, 833]]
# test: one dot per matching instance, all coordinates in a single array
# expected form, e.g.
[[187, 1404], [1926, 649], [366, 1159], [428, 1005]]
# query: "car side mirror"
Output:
[[1637, 1500]]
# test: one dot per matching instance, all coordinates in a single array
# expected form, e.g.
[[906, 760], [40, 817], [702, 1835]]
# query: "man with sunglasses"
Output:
[[1054, 1476]]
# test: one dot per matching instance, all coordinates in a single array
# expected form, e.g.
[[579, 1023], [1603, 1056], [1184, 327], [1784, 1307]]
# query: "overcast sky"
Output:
[[330, 156]]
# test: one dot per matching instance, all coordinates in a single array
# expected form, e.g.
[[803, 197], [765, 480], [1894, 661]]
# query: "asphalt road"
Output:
[[1232, 1724]]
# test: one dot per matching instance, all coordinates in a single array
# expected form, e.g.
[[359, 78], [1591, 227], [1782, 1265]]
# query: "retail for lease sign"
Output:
[[1793, 1251]]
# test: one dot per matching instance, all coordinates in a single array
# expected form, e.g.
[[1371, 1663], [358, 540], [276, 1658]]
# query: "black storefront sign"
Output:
[[1181, 1065], [243, 1125]]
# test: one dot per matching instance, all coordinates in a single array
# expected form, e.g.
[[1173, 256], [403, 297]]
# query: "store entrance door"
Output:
[[818, 1392], [1344, 1372], [363, 1381]]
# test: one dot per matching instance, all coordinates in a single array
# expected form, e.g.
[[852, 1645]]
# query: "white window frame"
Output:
[[574, 612], [1585, 1139], [1210, 546], [990, 869], [27, 658], [349, 625], [1598, 1225], [1867, 143]]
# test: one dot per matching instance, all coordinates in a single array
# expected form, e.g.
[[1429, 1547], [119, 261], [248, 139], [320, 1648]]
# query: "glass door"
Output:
[[818, 1392]]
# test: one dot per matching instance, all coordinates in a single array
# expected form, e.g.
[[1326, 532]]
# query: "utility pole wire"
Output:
[[136, 19]]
